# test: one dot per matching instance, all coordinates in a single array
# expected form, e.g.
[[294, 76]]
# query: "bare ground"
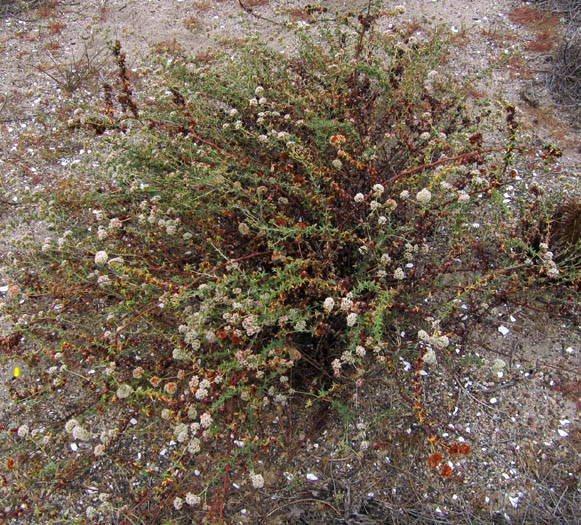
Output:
[[521, 424]]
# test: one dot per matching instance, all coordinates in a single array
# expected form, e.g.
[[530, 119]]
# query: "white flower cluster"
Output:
[[73, 427], [206, 420], [424, 196], [329, 304], [108, 435], [257, 480], [439, 341], [181, 432], [103, 281], [23, 431], [463, 196], [432, 76], [336, 366], [498, 365], [250, 324], [548, 264], [192, 499], [203, 389], [346, 303], [101, 258], [179, 354], [170, 225], [410, 250], [194, 446], [347, 358], [430, 357], [124, 391]]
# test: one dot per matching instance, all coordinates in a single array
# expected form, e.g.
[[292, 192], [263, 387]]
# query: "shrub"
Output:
[[261, 233]]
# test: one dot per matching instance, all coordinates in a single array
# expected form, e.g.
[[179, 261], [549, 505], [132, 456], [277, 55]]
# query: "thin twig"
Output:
[[304, 500]]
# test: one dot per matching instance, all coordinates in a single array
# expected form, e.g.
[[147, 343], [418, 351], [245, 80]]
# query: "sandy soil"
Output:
[[522, 424]]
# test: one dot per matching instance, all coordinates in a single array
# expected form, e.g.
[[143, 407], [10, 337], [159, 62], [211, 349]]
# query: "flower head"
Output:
[[329, 304], [124, 391], [463, 196], [446, 471], [423, 336], [257, 480], [70, 425], [192, 499], [170, 388], [101, 258], [346, 304], [337, 140], [424, 196], [80, 433], [378, 190], [194, 446], [435, 459], [205, 420], [430, 357]]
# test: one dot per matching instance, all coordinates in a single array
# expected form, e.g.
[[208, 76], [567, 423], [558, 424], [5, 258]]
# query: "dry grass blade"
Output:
[[566, 73], [72, 75], [571, 9]]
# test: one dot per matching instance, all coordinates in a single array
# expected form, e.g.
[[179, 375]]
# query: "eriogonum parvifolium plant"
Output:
[[264, 229]]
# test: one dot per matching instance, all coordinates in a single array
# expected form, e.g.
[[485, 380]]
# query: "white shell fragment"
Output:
[[503, 330]]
